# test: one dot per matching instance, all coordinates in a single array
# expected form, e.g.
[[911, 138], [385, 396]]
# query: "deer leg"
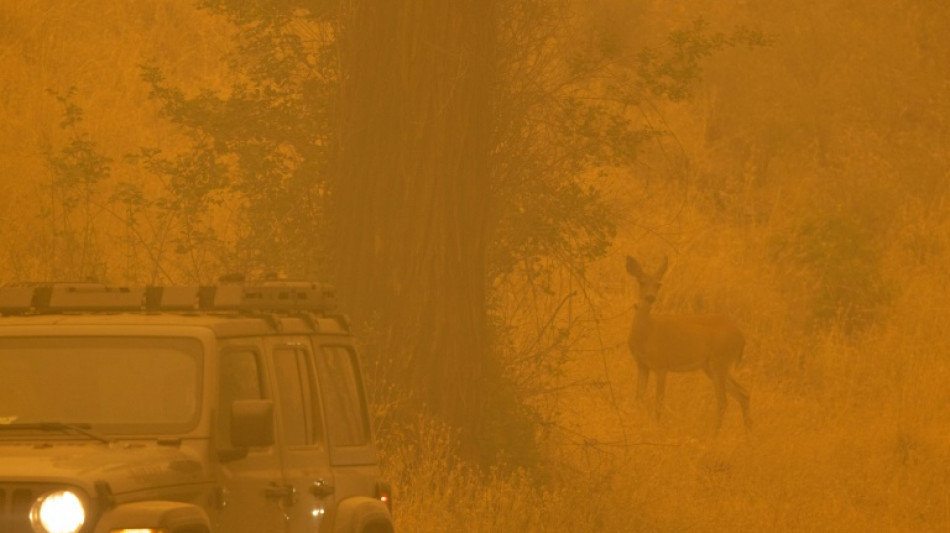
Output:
[[660, 391], [720, 386], [742, 396], [643, 374]]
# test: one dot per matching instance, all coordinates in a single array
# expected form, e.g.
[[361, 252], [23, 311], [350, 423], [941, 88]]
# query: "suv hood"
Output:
[[125, 466]]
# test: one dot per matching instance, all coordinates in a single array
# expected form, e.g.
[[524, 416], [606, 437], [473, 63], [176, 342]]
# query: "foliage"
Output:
[[77, 168], [674, 72], [843, 264], [571, 115], [265, 143]]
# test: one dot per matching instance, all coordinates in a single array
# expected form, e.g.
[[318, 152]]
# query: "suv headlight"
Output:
[[59, 511]]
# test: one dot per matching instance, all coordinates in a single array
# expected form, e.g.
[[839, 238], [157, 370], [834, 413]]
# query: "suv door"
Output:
[[308, 479], [352, 452], [247, 477]]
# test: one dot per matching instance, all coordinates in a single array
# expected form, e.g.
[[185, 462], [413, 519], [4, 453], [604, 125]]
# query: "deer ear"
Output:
[[663, 265], [633, 268]]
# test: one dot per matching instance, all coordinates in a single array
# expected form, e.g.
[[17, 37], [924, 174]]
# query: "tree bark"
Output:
[[410, 200]]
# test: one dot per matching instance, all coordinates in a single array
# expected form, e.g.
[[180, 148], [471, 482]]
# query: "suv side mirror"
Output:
[[252, 423]]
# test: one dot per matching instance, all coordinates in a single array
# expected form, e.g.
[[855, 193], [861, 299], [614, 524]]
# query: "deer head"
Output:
[[649, 284]]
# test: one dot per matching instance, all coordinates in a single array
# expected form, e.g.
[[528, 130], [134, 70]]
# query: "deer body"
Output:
[[684, 343]]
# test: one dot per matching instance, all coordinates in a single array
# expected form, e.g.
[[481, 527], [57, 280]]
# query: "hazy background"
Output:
[[472, 179]]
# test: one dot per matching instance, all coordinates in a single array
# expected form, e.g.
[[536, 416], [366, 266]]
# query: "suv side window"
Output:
[[343, 399], [300, 420], [240, 380]]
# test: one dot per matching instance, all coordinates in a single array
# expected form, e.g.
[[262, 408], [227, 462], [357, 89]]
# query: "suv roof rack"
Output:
[[270, 295]]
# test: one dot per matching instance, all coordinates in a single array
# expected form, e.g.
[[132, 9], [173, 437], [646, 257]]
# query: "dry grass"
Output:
[[851, 424]]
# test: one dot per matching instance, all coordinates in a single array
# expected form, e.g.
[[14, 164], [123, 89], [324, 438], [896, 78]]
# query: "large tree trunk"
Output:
[[411, 198]]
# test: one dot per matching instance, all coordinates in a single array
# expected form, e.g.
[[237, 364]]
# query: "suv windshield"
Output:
[[114, 384]]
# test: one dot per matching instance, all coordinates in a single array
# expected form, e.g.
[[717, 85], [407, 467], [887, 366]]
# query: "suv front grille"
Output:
[[15, 503]]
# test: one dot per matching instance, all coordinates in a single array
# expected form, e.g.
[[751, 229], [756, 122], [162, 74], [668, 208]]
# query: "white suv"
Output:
[[235, 408]]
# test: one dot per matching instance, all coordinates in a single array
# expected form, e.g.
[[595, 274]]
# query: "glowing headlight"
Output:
[[58, 512]]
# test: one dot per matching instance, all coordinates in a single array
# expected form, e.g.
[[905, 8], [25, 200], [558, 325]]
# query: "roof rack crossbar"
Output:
[[274, 296]]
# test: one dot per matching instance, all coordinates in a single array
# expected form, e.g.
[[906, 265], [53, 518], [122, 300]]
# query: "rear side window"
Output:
[[300, 421], [240, 380], [345, 412]]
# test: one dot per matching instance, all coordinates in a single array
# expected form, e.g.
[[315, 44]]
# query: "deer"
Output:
[[663, 343]]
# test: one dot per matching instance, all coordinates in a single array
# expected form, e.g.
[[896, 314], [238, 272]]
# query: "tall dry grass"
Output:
[[852, 418]]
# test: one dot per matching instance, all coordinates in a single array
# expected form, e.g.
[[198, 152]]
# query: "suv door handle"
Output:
[[321, 489], [286, 493]]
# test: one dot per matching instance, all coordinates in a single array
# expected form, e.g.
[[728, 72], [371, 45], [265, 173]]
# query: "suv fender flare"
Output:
[[173, 516], [360, 514]]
